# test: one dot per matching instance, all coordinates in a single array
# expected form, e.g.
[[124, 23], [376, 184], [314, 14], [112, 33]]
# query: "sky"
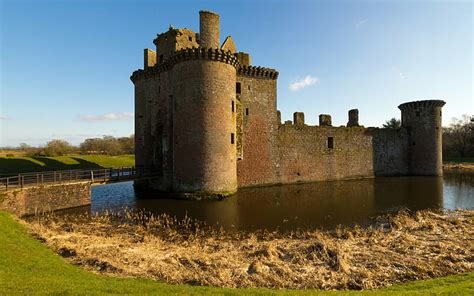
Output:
[[65, 66]]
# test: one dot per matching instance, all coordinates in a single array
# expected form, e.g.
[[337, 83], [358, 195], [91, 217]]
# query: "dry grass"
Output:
[[403, 247], [458, 166]]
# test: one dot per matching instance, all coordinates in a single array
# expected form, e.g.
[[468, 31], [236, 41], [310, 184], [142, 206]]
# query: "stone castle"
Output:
[[206, 122]]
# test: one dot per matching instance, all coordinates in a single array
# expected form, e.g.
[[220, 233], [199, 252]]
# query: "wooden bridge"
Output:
[[95, 176]]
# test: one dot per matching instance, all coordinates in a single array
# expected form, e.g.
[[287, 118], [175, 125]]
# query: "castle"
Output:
[[206, 123]]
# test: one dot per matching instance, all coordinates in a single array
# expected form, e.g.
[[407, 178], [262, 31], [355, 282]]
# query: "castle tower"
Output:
[[209, 29], [422, 119]]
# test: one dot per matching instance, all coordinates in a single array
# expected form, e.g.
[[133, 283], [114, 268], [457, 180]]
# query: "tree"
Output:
[[458, 137], [393, 123], [58, 148]]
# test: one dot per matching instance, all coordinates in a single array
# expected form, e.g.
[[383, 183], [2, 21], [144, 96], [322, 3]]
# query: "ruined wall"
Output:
[[305, 154], [173, 40], [46, 198], [390, 151], [259, 163]]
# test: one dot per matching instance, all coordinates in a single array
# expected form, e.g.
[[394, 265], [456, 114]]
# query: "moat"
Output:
[[309, 206]]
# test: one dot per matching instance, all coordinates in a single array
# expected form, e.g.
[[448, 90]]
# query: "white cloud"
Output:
[[108, 116], [360, 23], [4, 117], [401, 75], [303, 82]]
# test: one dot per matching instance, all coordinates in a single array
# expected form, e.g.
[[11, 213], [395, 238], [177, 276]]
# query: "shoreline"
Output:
[[458, 167], [403, 247]]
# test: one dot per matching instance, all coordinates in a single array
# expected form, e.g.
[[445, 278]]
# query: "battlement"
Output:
[[206, 120], [214, 54], [258, 72], [425, 104]]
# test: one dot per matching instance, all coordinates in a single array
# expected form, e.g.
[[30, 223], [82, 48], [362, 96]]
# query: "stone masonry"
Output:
[[206, 121]]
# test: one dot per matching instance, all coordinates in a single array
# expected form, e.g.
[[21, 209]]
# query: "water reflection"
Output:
[[459, 190], [311, 205]]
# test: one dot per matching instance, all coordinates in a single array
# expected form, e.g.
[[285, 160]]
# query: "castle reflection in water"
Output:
[[309, 206]]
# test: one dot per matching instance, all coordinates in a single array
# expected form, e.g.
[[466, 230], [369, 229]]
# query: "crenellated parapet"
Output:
[[426, 104], [258, 72], [213, 54]]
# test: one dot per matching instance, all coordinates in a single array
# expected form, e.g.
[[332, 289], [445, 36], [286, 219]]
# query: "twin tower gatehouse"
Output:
[[206, 122]]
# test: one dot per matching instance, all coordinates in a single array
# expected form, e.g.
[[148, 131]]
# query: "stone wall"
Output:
[[259, 162], [46, 198], [316, 153]]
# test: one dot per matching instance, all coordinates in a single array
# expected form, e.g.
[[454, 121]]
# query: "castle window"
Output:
[[330, 142], [417, 113], [414, 143], [161, 58], [247, 111], [232, 138], [233, 107], [190, 38], [439, 113], [249, 86], [238, 88]]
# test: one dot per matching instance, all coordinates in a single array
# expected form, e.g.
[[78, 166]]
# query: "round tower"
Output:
[[209, 29], [422, 119], [204, 122]]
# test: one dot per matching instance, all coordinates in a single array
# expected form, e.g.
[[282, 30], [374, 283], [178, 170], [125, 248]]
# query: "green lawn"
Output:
[[27, 267], [458, 160], [19, 164]]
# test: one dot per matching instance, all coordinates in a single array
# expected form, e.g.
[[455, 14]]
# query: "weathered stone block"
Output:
[[325, 119]]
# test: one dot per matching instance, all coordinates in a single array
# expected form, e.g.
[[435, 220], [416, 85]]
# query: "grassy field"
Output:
[[27, 267], [25, 164], [458, 160]]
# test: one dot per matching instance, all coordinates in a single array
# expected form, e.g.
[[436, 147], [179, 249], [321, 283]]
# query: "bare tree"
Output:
[[459, 136]]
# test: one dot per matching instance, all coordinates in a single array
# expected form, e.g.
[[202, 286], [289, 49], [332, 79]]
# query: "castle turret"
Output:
[[204, 122], [422, 119], [209, 29]]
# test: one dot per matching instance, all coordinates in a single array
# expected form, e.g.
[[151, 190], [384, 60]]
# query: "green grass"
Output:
[[20, 164], [458, 159], [27, 267]]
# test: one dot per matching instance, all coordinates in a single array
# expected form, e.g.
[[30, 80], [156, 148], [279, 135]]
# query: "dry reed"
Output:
[[401, 247]]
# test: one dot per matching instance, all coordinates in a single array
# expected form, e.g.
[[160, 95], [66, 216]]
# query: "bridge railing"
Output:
[[94, 176]]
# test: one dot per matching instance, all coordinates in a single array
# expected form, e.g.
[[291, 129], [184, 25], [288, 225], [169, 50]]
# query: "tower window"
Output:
[[238, 88], [233, 107], [417, 113], [161, 58], [232, 138], [249, 86], [190, 38], [439, 113], [247, 111], [330, 142]]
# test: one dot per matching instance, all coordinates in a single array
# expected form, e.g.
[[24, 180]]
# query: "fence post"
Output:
[[6, 184], [42, 178], [22, 181], [60, 178]]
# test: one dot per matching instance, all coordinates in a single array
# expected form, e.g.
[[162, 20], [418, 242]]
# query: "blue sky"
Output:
[[65, 65]]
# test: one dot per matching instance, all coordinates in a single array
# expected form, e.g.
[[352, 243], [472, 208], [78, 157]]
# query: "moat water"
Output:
[[312, 205]]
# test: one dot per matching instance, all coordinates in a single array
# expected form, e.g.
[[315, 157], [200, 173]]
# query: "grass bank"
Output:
[[28, 267], [25, 164]]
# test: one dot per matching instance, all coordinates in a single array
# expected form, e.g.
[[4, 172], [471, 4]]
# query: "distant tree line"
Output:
[[458, 136], [107, 145]]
